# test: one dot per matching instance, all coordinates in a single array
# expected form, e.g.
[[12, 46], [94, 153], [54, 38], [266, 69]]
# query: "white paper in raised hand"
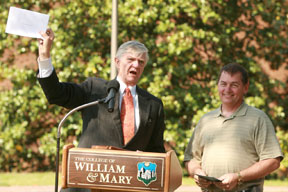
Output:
[[26, 23]]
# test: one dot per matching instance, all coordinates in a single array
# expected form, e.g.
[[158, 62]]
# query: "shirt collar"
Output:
[[241, 111], [123, 87]]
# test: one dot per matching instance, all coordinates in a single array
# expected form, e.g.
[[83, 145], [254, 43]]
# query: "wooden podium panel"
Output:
[[120, 170]]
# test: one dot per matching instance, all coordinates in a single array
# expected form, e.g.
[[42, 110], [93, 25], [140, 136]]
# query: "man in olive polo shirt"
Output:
[[235, 143]]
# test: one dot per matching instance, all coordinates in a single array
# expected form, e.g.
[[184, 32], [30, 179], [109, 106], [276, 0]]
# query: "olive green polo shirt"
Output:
[[228, 145]]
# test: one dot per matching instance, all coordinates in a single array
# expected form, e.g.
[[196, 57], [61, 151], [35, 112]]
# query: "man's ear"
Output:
[[116, 60], [246, 87]]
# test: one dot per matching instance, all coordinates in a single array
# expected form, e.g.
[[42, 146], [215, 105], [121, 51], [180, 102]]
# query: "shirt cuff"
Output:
[[45, 68]]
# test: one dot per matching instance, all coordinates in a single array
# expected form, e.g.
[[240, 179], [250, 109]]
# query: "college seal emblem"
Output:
[[146, 172]]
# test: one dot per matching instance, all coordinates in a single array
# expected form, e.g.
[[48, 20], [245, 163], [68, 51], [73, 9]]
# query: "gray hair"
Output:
[[136, 46]]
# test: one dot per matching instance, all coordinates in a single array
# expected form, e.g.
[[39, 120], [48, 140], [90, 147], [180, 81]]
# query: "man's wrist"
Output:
[[239, 178], [44, 57], [197, 171]]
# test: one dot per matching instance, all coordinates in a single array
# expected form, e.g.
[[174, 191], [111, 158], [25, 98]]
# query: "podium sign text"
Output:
[[117, 170]]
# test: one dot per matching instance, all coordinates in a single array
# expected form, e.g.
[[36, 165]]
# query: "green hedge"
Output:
[[189, 41]]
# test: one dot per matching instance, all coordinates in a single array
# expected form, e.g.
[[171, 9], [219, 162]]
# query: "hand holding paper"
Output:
[[26, 23], [45, 44]]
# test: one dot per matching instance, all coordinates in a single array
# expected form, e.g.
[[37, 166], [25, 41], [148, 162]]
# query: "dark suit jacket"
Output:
[[101, 127]]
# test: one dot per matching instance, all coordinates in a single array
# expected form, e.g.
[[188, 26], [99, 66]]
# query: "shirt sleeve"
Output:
[[266, 142], [45, 68], [194, 150]]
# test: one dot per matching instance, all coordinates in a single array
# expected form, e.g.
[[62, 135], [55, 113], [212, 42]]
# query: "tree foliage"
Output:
[[188, 42]]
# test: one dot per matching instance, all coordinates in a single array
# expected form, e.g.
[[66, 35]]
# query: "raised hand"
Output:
[[45, 44]]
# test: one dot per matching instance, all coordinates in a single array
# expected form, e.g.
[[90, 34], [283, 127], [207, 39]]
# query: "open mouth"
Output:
[[133, 72]]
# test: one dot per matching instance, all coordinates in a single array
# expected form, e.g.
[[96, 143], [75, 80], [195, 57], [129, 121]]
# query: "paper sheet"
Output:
[[26, 23]]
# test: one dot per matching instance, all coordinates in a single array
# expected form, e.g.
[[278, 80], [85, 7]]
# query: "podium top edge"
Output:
[[123, 152]]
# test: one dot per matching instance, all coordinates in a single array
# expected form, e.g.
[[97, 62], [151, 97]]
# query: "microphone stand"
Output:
[[105, 100]]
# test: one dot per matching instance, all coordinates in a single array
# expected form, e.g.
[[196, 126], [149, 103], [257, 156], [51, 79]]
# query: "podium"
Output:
[[109, 169]]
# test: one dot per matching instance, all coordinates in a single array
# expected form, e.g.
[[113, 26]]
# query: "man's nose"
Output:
[[228, 88]]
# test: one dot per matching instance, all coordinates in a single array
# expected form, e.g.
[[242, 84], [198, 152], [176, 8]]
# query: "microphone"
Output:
[[113, 87]]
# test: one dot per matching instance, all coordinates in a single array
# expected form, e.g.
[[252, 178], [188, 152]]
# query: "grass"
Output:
[[28, 179], [48, 178], [276, 183]]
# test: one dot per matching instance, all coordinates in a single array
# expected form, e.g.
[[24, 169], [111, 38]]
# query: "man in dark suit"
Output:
[[101, 127]]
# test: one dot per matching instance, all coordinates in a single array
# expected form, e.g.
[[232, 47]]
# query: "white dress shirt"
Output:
[[45, 68]]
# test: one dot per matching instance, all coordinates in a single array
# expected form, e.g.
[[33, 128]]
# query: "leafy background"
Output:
[[189, 41]]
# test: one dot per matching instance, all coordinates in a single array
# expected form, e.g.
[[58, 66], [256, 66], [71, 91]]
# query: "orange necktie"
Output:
[[127, 116]]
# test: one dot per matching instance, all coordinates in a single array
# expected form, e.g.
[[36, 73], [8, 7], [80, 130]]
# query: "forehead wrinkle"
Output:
[[135, 54], [141, 56]]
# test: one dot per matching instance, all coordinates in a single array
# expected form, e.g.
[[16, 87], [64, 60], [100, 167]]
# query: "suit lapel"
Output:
[[144, 108], [116, 118]]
